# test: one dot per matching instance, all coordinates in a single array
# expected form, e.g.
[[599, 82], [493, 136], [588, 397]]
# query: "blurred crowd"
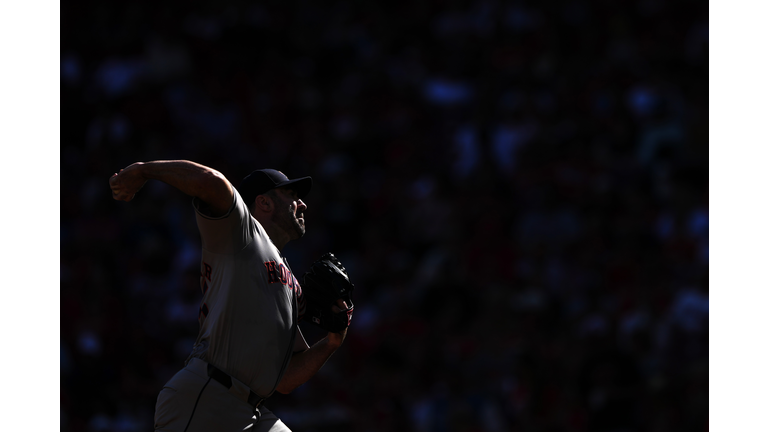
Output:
[[518, 189]]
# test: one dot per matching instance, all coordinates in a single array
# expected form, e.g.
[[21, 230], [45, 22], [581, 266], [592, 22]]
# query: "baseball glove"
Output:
[[326, 282]]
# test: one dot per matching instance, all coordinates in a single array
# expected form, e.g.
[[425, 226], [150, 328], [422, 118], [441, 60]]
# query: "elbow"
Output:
[[214, 179], [215, 190]]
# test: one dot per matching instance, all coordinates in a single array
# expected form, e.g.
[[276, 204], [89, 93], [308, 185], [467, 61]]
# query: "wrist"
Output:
[[336, 339], [139, 169]]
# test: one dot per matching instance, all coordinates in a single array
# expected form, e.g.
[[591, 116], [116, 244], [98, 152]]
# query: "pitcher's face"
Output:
[[289, 212]]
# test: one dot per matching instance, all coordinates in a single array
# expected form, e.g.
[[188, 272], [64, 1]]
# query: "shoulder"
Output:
[[237, 208]]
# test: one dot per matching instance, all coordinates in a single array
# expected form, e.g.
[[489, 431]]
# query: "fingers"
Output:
[[340, 306], [119, 195], [113, 185], [126, 184], [123, 196], [118, 189], [116, 194]]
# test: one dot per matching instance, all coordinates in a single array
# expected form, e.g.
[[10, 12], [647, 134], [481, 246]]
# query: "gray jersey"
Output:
[[249, 312]]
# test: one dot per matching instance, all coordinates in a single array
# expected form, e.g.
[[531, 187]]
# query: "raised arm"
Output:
[[196, 180]]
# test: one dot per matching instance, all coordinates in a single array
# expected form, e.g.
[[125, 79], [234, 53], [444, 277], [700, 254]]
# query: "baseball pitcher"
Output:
[[249, 344]]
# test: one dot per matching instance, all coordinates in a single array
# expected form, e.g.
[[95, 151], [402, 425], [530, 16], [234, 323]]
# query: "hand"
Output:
[[127, 182]]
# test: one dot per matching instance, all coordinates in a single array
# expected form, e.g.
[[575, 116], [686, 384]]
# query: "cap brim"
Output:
[[302, 186]]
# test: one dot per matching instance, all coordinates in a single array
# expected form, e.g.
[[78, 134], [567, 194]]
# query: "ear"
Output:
[[263, 203]]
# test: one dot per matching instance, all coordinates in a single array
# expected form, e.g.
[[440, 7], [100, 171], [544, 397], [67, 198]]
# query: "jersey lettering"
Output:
[[292, 282], [272, 276], [283, 277], [279, 273], [205, 274], [207, 271]]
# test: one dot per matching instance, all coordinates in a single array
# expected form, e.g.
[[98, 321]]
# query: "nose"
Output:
[[301, 206]]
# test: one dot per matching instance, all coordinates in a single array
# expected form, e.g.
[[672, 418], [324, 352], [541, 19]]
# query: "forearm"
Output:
[[189, 177], [196, 180], [305, 365]]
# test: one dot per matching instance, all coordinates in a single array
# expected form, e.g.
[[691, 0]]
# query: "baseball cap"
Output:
[[264, 180]]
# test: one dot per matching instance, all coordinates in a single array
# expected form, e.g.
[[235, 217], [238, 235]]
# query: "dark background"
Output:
[[518, 189]]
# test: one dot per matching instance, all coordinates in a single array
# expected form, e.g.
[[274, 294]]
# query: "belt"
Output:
[[224, 379]]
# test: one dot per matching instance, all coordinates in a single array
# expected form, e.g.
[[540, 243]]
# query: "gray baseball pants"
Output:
[[193, 402]]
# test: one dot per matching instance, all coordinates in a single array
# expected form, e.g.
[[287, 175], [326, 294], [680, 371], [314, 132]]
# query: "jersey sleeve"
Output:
[[226, 234]]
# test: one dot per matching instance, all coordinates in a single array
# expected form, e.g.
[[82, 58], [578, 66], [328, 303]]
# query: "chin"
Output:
[[299, 231]]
